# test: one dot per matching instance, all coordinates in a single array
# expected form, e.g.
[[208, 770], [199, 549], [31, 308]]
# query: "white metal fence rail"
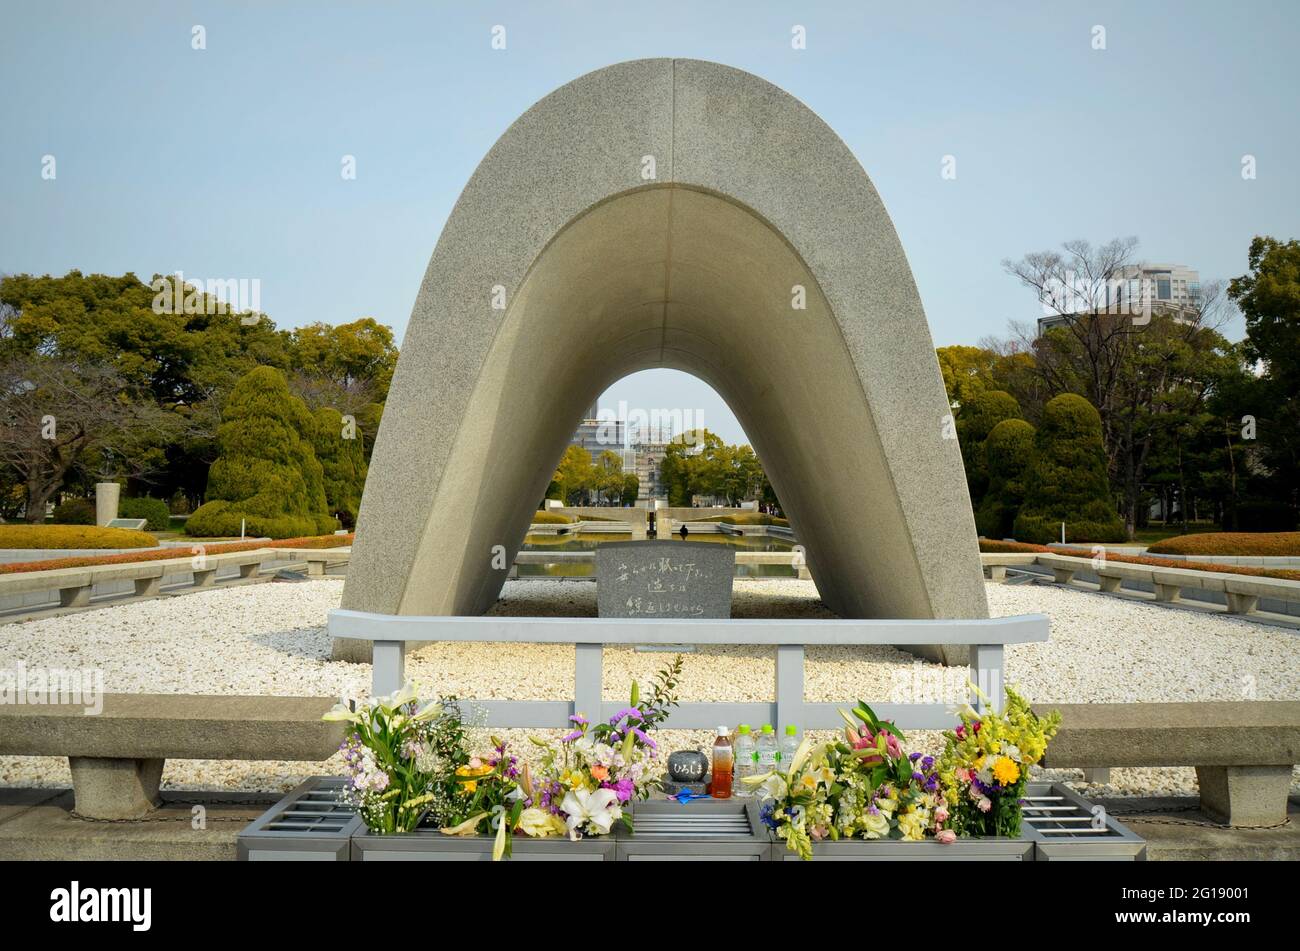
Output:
[[985, 638]]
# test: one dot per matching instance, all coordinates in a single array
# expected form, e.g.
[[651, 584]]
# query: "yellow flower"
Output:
[[1005, 771], [539, 823], [876, 826]]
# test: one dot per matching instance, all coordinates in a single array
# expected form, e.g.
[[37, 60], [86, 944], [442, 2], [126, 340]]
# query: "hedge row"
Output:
[[73, 536], [993, 547], [552, 518], [749, 518], [221, 548], [1280, 544]]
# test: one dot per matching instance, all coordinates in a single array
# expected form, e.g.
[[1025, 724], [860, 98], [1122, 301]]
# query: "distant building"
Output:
[[1172, 289], [596, 435]]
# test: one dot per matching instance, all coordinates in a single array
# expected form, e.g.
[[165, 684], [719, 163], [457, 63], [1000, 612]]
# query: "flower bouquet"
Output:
[[881, 791], [490, 799], [398, 757], [985, 765], [865, 786], [587, 780]]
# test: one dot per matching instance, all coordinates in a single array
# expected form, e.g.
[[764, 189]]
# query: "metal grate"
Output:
[[1062, 817], [318, 810], [733, 825]]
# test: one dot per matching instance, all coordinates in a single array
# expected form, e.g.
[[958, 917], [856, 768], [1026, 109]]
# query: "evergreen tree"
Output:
[[1008, 457], [267, 472], [339, 449], [1068, 481], [975, 421]]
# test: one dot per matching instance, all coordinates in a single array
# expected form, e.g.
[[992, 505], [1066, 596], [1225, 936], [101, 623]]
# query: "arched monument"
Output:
[[669, 213]]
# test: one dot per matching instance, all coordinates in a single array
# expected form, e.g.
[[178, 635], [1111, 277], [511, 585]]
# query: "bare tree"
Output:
[[55, 413]]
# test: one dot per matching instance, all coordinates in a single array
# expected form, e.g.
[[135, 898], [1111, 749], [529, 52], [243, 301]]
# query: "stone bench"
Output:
[[117, 755], [75, 585], [1243, 751], [1241, 592]]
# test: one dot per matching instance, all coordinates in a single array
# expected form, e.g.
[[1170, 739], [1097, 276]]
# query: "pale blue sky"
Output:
[[225, 162]]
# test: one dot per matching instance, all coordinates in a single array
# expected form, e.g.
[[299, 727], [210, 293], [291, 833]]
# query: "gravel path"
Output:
[[270, 639]]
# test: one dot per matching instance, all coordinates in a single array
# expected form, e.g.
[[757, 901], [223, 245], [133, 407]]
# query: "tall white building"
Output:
[[1173, 289]]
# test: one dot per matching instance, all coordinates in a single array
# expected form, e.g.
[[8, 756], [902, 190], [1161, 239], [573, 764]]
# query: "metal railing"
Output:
[[985, 638]]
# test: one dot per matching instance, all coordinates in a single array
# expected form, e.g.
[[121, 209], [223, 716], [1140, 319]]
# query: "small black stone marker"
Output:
[[683, 533]]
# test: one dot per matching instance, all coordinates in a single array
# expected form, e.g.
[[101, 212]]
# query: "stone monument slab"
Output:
[[664, 580]]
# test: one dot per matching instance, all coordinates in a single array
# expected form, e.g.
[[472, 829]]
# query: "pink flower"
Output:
[[946, 837], [961, 732], [984, 804], [941, 814], [867, 740]]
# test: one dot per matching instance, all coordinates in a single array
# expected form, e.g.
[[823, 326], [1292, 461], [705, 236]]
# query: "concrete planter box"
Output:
[[707, 830], [307, 825], [430, 845], [1065, 829]]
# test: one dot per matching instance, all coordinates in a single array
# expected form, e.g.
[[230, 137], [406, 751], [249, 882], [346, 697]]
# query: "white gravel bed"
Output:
[[270, 639]]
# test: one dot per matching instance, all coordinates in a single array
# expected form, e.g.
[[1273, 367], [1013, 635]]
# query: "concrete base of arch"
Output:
[[759, 258]]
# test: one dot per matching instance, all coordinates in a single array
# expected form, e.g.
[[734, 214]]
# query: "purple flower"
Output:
[[579, 719], [570, 737], [645, 739], [629, 712], [914, 757], [623, 788]]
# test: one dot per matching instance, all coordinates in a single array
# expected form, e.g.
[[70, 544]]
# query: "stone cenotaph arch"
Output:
[[669, 213]]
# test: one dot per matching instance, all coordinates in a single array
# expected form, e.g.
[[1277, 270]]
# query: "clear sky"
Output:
[[225, 162]]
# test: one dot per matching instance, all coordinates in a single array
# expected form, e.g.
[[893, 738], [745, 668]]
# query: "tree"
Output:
[[349, 366], [184, 358], [1269, 299], [573, 475], [607, 479], [267, 474], [1009, 456], [343, 463], [58, 415], [1134, 365], [1068, 480], [631, 489], [975, 421]]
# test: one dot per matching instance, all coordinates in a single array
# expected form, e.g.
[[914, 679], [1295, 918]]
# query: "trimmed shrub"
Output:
[[975, 421], [74, 512], [267, 474], [1278, 544], [1008, 458], [157, 516], [746, 518], [73, 536], [1067, 482], [552, 518], [993, 546], [343, 463]]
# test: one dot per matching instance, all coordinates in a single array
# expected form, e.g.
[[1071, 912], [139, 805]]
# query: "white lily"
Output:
[[600, 808], [342, 711], [398, 698], [430, 711]]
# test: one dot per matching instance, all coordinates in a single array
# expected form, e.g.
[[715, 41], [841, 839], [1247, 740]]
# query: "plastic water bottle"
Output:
[[766, 749], [723, 765], [789, 744], [746, 760]]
